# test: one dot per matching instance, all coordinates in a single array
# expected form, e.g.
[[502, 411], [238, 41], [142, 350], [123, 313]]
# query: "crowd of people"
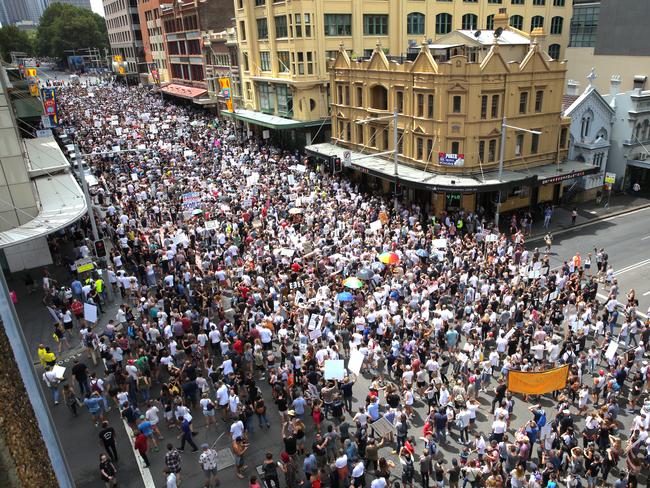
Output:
[[242, 269]]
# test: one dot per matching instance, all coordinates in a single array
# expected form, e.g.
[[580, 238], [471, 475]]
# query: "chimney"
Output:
[[501, 19], [573, 87], [639, 83], [614, 83]]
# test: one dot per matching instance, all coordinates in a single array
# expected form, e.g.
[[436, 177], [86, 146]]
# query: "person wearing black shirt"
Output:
[[80, 373], [107, 438], [499, 393]]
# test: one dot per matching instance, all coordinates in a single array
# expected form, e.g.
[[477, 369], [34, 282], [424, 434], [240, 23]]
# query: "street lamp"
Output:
[[394, 152], [502, 152]]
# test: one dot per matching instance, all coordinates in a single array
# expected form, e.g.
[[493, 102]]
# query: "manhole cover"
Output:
[[225, 459]]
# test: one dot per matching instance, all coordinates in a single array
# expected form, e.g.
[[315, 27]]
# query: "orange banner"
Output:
[[538, 383]]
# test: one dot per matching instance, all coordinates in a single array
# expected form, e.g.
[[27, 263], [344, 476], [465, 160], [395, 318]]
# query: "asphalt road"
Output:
[[625, 238]]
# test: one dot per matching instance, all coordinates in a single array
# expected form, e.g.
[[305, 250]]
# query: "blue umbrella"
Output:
[[377, 266], [422, 253], [345, 296]]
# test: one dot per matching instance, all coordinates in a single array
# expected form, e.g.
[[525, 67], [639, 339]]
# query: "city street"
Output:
[[622, 237]]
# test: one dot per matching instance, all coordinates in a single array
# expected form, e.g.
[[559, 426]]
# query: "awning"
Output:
[[431, 181], [27, 106], [638, 163], [62, 203], [45, 156], [272, 121], [183, 91]]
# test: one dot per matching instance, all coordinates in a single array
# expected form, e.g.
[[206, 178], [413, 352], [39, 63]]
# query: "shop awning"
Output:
[[62, 203], [638, 163], [272, 121], [27, 106], [418, 178], [427, 180], [45, 156], [183, 91]]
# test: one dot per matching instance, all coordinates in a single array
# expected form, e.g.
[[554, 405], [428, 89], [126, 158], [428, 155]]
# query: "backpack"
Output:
[[541, 421]]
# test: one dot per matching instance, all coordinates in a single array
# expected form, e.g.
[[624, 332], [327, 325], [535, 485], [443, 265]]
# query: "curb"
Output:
[[589, 222]]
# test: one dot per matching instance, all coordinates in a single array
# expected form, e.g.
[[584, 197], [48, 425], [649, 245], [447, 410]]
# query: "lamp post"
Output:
[[394, 152], [502, 152]]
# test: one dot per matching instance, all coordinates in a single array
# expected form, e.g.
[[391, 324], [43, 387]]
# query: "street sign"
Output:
[[347, 159], [610, 178], [83, 265]]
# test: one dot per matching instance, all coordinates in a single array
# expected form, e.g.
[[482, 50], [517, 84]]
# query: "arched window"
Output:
[[554, 51], [537, 21], [556, 25], [415, 24], [517, 21], [379, 97], [489, 22], [470, 22], [586, 122], [637, 131], [443, 23], [646, 127]]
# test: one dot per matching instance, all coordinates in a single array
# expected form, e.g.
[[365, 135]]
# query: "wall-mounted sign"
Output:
[[447, 159]]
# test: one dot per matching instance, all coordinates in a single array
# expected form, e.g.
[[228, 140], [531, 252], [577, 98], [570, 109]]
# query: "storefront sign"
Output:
[[559, 178], [610, 178], [447, 159]]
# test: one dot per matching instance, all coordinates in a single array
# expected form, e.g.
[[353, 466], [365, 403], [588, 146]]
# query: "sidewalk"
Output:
[[588, 213]]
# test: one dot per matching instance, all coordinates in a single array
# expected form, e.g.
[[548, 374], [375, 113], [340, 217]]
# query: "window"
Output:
[[265, 61], [283, 61], [539, 98], [399, 101], [519, 144], [495, 106], [484, 103], [262, 29], [285, 99], [245, 59], [242, 30], [360, 96], [517, 21], [443, 23], [516, 2], [558, 3], [470, 1], [338, 24], [481, 151], [420, 105], [523, 102], [430, 104], [400, 142], [307, 19], [259, 2], [469, 22], [429, 149], [415, 24], [301, 65], [455, 147], [265, 97], [534, 144], [373, 137], [584, 24], [556, 25], [457, 104], [280, 26], [563, 135], [540, 3], [492, 150], [554, 51], [537, 21], [298, 25], [420, 149], [375, 25], [310, 62], [489, 22]]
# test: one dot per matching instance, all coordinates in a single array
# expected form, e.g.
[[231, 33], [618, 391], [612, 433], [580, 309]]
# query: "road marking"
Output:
[[624, 214], [147, 479], [644, 238], [646, 293], [640, 314], [632, 267]]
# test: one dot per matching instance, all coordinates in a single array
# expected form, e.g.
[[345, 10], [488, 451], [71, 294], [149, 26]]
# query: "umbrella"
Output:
[[365, 274], [423, 253], [377, 266], [353, 283], [295, 210], [345, 296], [389, 258], [197, 211]]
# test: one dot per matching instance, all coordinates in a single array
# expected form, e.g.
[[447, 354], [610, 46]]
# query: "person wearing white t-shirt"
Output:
[[499, 427], [237, 430]]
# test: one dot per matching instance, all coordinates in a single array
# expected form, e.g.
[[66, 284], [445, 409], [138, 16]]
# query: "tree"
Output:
[[14, 39], [65, 27]]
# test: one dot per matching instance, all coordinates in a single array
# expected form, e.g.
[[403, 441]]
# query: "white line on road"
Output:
[[624, 214], [632, 267], [640, 314], [644, 238], [147, 479], [646, 293]]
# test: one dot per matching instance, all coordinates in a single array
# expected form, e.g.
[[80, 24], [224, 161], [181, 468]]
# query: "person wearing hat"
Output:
[[208, 461]]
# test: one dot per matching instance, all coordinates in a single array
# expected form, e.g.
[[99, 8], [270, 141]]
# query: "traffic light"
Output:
[[100, 248], [338, 167]]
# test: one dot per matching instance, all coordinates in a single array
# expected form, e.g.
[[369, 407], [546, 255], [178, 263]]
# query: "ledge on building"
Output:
[[183, 91]]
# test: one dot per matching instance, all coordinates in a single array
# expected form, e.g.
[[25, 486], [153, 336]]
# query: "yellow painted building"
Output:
[[284, 46], [451, 103]]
